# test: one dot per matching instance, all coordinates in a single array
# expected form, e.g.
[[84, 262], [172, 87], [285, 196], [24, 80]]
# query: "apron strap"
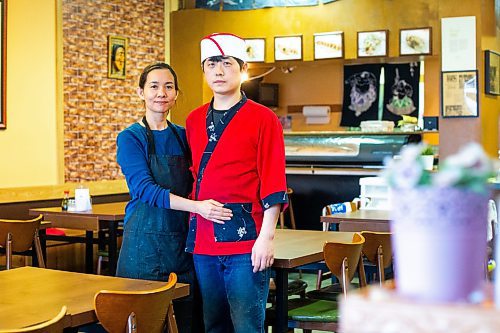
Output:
[[184, 147], [151, 139]]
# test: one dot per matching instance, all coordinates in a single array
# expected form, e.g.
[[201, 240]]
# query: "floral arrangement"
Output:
[[470, 168]]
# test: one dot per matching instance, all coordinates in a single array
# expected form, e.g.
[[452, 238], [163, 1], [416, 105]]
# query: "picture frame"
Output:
[[3, 64], [416, 41], [256, 49], [373, 43], [459, 94], [491, 73], [328, 45], [117, 57], [288, 48]]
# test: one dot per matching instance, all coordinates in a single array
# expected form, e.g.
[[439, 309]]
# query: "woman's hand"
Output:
[[213, 210]]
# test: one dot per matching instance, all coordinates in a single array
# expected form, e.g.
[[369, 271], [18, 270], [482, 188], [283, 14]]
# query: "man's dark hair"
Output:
[[220, 58]]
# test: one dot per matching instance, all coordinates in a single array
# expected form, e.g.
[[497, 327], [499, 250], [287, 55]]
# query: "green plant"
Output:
[[469, 168], [427, 150]]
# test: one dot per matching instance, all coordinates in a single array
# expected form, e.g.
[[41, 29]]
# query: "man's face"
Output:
[[224, 76]]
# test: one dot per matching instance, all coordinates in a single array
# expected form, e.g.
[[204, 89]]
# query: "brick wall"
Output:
[[97, 108]]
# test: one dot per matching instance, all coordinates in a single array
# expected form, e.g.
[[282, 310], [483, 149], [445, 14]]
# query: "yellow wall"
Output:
[[29, 144], [349, 16]]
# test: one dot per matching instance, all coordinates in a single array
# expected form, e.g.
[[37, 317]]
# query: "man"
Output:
[[238, 159]]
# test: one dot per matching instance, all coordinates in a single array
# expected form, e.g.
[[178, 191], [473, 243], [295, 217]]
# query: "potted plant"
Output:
[[438, 221], [428, 157]]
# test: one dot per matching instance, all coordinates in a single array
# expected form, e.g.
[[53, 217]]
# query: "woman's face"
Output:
[[159, 92], [119, 62]]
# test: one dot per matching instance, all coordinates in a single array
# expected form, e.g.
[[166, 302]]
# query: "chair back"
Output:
[[378, 250], [377, 243], [19, 235], [21, 231], [343, 259], [54, 325], [117, 309]]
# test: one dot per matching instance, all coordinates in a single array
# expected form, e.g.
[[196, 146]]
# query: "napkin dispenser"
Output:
[[82, 199]]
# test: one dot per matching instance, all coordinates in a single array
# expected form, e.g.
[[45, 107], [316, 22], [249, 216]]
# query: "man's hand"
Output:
[[262, 253]]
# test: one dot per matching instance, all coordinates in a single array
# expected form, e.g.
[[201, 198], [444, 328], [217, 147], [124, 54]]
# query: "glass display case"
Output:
[[344, 149]]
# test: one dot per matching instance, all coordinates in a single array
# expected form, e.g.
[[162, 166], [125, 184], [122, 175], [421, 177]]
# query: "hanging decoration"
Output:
[[361, 87], [401, 90]]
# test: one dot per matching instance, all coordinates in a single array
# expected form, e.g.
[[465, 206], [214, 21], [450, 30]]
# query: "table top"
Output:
[[361, 215], [376, 309], [32, 295], [294, 248], [114, 211]]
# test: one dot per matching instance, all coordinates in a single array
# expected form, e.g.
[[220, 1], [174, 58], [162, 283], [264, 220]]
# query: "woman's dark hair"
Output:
[[150, 68], [115, 49]]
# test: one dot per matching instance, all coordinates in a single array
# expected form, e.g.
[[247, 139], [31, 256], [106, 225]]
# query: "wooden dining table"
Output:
[[107, 216], [359, 220], [32, 295], [294, 248]]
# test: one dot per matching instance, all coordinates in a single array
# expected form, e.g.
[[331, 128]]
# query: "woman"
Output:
[[155, 160]]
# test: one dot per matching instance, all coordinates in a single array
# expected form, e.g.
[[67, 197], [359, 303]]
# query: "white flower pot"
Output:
[[439, 242], [428, 161]]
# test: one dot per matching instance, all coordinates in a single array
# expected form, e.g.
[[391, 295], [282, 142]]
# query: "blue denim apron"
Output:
[[154, 238]]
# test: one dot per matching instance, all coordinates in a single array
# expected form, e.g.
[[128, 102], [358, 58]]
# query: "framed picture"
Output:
[[459, 94], [373, 43], [415, 41], [329, 45], [3, 59], [256, 49], [288, 48], [117, 57], [491, 72]]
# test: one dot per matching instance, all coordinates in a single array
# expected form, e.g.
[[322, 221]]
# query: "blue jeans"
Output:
[[234, 298]]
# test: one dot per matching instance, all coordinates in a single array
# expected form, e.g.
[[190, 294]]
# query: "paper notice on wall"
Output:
[[458, 43]]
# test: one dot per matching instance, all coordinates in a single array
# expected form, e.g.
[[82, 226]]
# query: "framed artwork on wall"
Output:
[[459, 94], [491, 72], [3, 59], [329, 45], [288, 48], [373, 43], [117, 57], [415, 41], [256, 49]]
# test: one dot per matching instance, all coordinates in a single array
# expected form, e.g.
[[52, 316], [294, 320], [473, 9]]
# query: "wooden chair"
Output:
[[54, 325], [343, 260], [144, 311], [378, 250], [18, 236], [289, 192]]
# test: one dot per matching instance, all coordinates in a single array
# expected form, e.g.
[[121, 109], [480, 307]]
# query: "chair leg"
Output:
[[380, 264], [99, 265], [345, 274], [131, 324], [361, 272], [172, 324], [38, 250], [292, 216], [8, 251], [282, 220]]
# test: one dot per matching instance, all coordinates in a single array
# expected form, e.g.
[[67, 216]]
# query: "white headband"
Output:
[[223, 44]]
